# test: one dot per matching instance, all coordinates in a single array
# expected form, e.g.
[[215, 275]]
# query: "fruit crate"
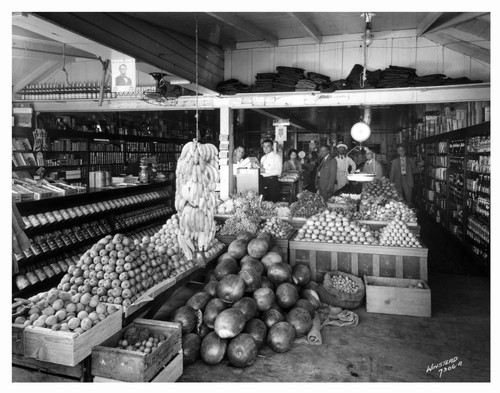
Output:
[[149, 296], [119, 364], [397, 296], [18, 339], [26, 369], [297, 222], [68, 348], [376, 225], [360, 259]]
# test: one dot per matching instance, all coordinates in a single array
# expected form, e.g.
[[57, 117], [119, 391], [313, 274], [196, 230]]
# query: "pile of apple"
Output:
[[335, 227], [65, 311], [140, 340], [397, 234], [117, 269], [378, 192], [277, 227]]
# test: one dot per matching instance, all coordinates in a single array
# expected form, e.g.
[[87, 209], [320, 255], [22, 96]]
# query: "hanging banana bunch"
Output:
[[195, 201]]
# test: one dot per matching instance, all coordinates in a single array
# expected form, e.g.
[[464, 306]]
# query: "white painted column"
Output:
[[226, 152]]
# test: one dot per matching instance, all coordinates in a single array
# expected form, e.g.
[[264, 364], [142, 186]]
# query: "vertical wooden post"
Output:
[[226, 169]]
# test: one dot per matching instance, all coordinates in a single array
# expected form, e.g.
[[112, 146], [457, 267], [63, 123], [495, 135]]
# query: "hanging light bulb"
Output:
[[367, 36]]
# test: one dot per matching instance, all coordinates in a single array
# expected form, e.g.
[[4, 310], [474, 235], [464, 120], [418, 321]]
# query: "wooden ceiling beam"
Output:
[[459, 19], [427, 22], [464, 48], [242, 25], [46, 69], [311, 29], [280, 114]]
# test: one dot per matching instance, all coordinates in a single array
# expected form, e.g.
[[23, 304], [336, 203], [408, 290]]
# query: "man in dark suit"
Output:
[[123, 79], [326, 173], [402, 170]]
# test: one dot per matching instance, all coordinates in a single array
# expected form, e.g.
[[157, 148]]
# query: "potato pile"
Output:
[[67, 311], [140, 340], [344, 284]]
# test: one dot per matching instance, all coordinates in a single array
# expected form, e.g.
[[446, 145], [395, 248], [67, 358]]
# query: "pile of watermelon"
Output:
[[251, 298]]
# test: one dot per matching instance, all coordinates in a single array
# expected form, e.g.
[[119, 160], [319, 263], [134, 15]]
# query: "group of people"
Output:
[[329, 171]]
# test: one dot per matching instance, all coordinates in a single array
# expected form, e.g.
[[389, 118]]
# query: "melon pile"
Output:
[[250, 299]]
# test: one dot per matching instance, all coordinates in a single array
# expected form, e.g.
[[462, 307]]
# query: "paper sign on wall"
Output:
[[280, 133], [123, 74]]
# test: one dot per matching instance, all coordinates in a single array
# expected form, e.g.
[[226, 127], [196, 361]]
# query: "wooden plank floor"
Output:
[[382, 347]]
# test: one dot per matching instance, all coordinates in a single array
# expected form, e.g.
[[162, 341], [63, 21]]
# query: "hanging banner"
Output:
[[123, 74]]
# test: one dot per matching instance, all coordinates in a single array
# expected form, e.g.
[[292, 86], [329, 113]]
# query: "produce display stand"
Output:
[[297, 222], [360, 259], [110, 362], [398, 296], [376, 225], [25, 369]]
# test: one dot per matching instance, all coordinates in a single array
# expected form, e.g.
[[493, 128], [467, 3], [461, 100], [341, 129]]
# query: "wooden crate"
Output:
[[170, 373], [380, 261], [392, 296], [26, 369], [297, 222], [130, 366], [17, 339], [376, 225], [68, 348]]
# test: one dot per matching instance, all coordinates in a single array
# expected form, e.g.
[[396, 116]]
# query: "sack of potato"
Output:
[[341, 289]]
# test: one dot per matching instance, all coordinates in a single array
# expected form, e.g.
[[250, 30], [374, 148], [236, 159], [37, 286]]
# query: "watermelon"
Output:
[[231, 288], [281, 337], [251, 278], [191, 344], [213, 348], [301, 321], [272, 317], [286, 295], [229, 323], [247, 306], [212, 310], [257, 248], [242, 350], [258, 329], [199, 300], [264, 297], [225, 267], [278, 273], [237, 249]]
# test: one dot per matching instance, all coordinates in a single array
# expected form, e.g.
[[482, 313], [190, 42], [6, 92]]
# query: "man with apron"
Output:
[[345, 165]]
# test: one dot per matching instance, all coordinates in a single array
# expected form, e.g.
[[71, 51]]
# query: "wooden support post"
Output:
[[105, 65], [226, 169]]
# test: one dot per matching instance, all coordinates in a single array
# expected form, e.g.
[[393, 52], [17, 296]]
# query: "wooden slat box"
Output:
[[297, 222], [359, 259], [149, 295], [17, 339], [375, 225], [111, 362], [170, 373], [393, 296], [26, 369], [63, 347]]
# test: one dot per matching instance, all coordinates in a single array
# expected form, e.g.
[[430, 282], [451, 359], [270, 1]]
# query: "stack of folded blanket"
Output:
[[232, 86], [395, 76], [305, 85], [264, 82], [287, 78], [340, 84], [355, 78]]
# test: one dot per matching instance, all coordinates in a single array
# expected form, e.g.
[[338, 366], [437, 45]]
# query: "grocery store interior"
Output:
[[251, 197]]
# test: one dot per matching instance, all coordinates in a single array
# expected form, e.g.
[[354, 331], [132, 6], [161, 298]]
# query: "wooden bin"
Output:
[[17, 339], [68, 348], [26, 369], [170, 373], [131, 366], [376, 225], [297, 222], [359, 259], [387, 295]]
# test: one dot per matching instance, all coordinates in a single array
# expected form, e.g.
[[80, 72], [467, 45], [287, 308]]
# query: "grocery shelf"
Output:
[[478, 129], [133, 227], [37, 287]]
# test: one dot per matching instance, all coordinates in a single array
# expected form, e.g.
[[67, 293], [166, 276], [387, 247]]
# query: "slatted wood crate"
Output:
[[25, 369], [111, 362], [395, 296], [69, 348], [170, 373], [380, 261], [17, 339]]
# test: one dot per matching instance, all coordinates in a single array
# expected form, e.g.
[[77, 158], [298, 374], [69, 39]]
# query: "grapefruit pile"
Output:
[[250, 299]]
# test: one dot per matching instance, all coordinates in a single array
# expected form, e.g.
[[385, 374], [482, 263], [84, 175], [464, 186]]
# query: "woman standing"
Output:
[[293, 165]]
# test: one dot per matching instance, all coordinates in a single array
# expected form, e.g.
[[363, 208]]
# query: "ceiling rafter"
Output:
[[238, 23], [45, 70], [307, 25], [427, 22], [464, 48], [461, 18]]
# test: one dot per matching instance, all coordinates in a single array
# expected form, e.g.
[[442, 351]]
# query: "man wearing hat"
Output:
[[372, 166], [402, 170], [345, 165]]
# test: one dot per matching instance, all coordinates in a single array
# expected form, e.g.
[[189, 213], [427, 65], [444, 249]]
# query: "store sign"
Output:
[[123, 74], [308, 137]]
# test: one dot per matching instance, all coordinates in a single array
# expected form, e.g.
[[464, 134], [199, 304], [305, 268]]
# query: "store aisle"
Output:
[[384, 347]]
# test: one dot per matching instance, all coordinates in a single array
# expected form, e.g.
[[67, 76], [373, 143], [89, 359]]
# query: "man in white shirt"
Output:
[[345, 165], [372, 166], [270, 170]]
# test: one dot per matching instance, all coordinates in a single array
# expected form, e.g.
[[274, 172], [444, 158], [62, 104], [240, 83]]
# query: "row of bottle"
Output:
[[479, 144], [102, 157], [478, 230], [482, 207], [479, 184], [65, 91], [457, 148]]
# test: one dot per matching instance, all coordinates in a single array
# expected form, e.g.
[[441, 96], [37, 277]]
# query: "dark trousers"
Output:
[[270, 188], [406, 190]]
